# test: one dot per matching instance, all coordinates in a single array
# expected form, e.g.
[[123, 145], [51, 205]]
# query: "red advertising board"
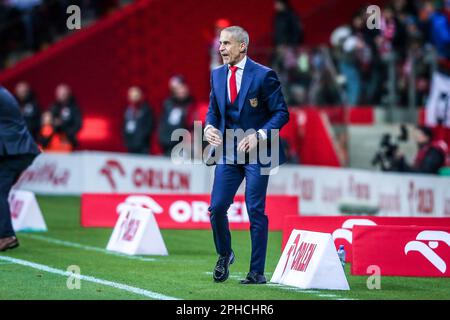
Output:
[[402, 250], [181, 211], [341, 226]]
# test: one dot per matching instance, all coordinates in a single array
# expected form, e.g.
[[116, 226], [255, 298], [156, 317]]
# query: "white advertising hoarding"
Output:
[[321, 190]]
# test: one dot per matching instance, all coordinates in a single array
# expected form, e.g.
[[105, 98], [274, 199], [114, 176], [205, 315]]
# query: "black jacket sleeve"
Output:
[[433, 161]]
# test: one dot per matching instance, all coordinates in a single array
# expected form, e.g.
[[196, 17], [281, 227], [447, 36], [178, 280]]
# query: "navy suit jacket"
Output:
[[259, 85], [15, 139]]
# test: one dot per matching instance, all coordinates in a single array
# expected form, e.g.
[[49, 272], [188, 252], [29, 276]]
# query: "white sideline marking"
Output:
[[284, 287], [318, 293], [314, 292], [120, 286], [84, 247]]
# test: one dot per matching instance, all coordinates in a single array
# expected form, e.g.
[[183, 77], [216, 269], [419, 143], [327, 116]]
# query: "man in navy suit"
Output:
[[17, 152], [245, 97]]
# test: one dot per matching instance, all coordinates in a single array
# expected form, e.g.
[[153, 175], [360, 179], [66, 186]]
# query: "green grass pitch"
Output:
[[184, 274]]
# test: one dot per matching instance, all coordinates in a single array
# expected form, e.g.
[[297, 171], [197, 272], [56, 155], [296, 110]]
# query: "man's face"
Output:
[[47, 118], [426, 11], [231, 50], [22, 90], [174, 84], [62, 93], [134, 95], [279, 6], [181, 91], [420, 137]]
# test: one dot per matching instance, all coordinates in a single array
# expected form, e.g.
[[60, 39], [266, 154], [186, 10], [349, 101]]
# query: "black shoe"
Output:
[[254, 278], [221, 271], [8, 243]]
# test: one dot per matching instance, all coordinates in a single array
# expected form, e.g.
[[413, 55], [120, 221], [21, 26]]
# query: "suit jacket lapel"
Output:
[[247, 79], [222, 89]]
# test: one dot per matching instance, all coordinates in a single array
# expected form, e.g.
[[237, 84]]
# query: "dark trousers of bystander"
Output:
[[11, 167]]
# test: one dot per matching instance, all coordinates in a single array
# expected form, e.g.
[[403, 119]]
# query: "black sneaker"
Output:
[[221, 271]]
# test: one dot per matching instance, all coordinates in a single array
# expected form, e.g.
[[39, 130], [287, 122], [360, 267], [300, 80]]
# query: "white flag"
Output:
[[438, 104]]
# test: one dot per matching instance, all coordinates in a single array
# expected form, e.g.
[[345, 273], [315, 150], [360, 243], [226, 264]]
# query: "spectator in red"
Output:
[[66, 114], [431, 155], [51, 140]]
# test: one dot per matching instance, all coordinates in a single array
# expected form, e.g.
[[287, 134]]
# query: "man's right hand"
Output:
[[213, 136]]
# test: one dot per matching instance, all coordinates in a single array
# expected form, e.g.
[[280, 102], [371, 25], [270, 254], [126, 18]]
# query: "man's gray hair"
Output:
[[239, 34]]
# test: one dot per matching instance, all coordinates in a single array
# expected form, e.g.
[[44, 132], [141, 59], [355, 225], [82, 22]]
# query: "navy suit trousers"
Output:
[[11, 167], [227, 179]]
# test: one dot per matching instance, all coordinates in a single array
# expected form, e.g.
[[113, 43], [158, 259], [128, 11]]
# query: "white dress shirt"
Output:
[[239, 74]]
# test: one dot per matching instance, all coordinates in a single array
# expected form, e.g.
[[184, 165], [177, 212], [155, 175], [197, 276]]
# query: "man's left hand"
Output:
[[248, 143]]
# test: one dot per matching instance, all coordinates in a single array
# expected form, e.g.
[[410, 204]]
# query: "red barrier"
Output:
[[402, 251], [359, 115], [181, 211], [342, 226], [316, 144]]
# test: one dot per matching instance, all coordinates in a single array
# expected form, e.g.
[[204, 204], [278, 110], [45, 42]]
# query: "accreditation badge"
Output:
[[254, 102]]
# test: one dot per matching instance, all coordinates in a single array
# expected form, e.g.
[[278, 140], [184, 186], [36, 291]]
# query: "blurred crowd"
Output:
[[26, 26], [178, 112], [411, 34], [56, 128]]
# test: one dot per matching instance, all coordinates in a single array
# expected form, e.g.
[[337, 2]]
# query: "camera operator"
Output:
[[431, 155]]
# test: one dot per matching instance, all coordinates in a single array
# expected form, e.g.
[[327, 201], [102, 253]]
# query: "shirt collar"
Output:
[[241, 64]]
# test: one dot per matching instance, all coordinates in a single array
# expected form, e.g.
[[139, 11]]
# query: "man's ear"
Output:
[[243, 48]]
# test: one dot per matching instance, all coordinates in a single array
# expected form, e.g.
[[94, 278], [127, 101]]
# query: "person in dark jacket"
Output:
[[177, 113], [431, 155], [138, 123], [288, 28], [17, 152], [66, 114], [436, 23], [29, 108]]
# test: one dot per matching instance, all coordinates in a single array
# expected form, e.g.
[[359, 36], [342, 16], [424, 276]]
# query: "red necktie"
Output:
[[233, 86]]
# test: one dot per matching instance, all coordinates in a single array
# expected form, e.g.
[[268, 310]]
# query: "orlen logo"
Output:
[[347, 226], [139, 201], [299, 255], [148, 178], [197, 211], [427, 249], [110, 169]]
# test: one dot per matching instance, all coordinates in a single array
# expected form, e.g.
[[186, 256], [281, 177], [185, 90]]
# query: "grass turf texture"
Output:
[[184, 274]]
